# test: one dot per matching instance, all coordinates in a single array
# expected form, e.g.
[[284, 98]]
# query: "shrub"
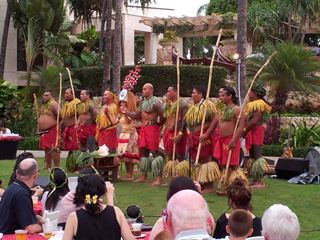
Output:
[[276, 150], [160, 76], [29, 143]]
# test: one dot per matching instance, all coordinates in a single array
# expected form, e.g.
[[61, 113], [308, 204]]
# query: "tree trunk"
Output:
[[4, 42], [280, 99], [241, 43], [107, 61], [117, 47], [103, 22]]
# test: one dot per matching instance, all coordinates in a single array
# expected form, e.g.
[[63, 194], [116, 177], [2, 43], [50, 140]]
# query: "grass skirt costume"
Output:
[[257, 168], [206, 172]]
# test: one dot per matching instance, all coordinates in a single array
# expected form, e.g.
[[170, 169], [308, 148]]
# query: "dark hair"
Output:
[[180, 183], [240, 223], [200, 89], [173, 87], [93, 186], [88, 92], [57, 188], [230, 91], [20, 157], [239, 194]]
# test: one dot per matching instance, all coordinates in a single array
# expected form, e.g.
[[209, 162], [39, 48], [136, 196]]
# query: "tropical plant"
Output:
[[291, 69], [33, 18], [7, 93], [304, 135]]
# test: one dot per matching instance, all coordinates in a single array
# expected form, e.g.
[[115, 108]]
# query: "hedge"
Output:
[[29, 143], [277, 150], [159, 75]]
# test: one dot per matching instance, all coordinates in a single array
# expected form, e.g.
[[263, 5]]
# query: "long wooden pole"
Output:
[[35, 103], [58, 114], [178, 108], [208, 94], [224, 176]]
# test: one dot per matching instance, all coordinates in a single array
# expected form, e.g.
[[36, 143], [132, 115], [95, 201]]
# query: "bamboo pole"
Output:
[[35, 103], [58, 114], [224, 176], [178, 108], [208, 94]]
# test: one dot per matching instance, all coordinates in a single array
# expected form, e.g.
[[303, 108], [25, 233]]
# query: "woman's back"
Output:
[[103, 225]]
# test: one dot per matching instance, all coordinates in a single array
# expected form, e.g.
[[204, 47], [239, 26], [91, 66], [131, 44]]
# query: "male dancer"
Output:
[[227, 140], [69, 125], [151, 114], [170, 112], [208, 170], [107, 122], [47, 124], [256, 111], [86, 121]]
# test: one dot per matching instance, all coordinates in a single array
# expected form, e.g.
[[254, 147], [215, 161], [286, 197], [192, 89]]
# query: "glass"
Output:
[[21, 234], [136, 227]]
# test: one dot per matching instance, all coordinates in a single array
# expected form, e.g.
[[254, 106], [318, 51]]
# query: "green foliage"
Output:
[[91, 36], [291, 69], [221, 6], [160, 76], [7, 93], [29, 143], [304, 135], [276, 151], [163, 76], [178, 29], [228, 20]]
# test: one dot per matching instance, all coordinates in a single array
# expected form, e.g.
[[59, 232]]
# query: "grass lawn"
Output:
[[303, 200]]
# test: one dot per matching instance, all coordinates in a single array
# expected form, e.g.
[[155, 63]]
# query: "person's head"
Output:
[[58, 187], [47, 96], [220, 92], [228, 95], [280, 223], [239, 224], [172, 93], [180, 183], [68, 95], [257, 92], [198, 93], [147, 90], [20, 157], [85, 95], [239, 195], [139, 97], [187, 210], [108, 97], [27, 171], [90, 192]]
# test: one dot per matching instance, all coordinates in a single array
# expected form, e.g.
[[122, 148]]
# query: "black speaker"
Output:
[[291, 167]]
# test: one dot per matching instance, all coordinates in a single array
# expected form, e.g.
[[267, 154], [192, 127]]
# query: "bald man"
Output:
[[16, 209], [150, 112], [188, 215]]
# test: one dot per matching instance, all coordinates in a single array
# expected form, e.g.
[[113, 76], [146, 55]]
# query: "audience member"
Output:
[[55, 191], [20, 157], [68, 203], [16, 209], [280, 223], [163, 235], [177, 184], [1, 189], [239, 225], [95, 220], [188, 216], [3, 129], [239, 197]]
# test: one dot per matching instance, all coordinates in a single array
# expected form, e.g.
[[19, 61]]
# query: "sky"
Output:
[[182, 7]]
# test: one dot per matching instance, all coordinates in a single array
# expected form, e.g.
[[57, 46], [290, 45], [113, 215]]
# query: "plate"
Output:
[[141, 236]]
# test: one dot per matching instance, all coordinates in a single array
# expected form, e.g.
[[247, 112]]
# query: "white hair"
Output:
[[280, 223], [188, 210]]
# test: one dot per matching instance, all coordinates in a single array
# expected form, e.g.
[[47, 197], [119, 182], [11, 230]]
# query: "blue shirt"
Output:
[[16, 209]]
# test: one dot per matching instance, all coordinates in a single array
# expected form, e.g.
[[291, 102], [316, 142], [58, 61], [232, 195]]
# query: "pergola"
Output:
[[200, 26]]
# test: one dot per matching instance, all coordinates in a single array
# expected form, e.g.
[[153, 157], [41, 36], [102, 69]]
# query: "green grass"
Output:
[[304, 200]]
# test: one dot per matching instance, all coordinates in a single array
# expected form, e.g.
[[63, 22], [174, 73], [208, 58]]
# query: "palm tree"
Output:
[[242, 42], [291, 69], [108, 43], [117, 46], [4, 41]]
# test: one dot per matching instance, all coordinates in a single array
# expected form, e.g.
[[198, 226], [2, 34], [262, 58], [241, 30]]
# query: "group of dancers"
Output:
[[132, 127]]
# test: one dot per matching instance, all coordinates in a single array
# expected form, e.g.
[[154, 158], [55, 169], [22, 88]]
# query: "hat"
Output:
[[123, 95], [259, 90], [133, 211]]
